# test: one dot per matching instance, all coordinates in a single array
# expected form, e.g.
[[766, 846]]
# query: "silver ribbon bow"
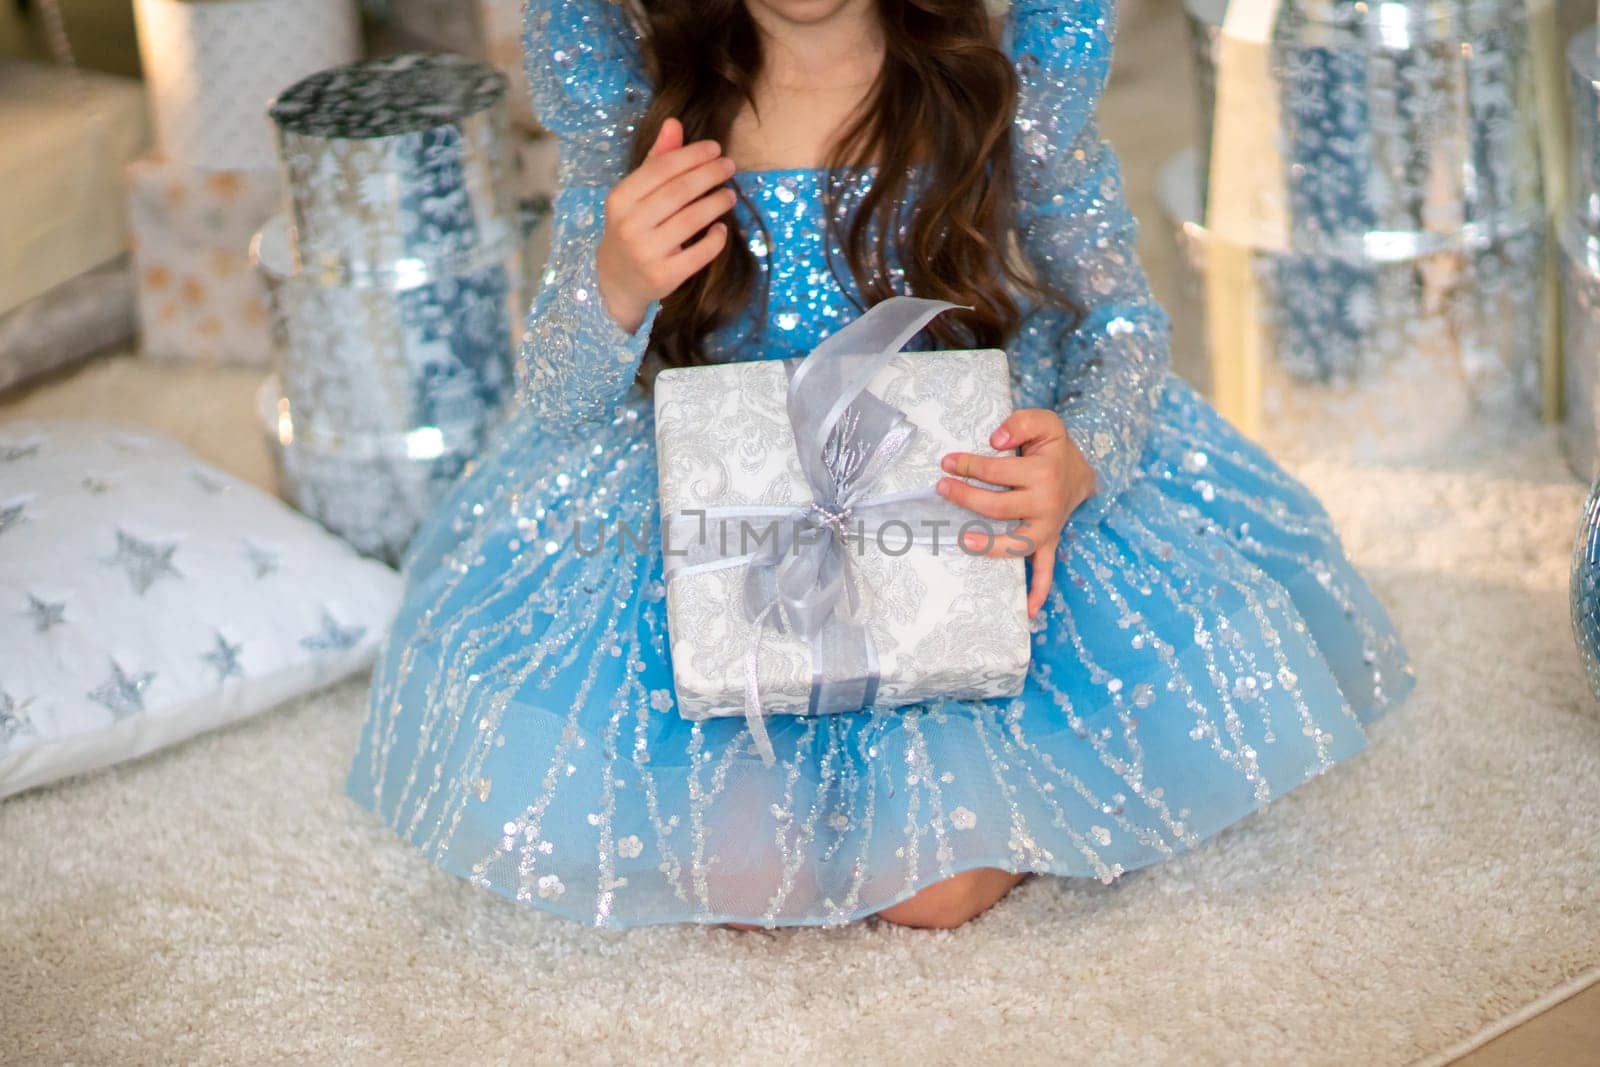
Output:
[[800, 573]]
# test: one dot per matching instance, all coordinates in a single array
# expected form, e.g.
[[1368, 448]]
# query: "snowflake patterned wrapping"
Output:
[[1585, 589], [1405, 127], [383, 394], [363, 360], [1414, 195], [1206, 646], [397, 162], [372, 490], [396, 288], [1375, 358], [942, 623]]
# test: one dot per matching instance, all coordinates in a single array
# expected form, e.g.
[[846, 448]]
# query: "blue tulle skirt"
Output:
[[1206, 648]]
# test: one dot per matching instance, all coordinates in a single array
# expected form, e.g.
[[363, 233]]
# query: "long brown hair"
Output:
[[942, 71]]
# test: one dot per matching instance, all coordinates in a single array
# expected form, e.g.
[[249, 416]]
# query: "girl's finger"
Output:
[[1026, 426], [1019, 543], [994, 504], [691, 220], [668, 137], [673, 195], [684, 264], [654, 171], [1014, 471], [1044, 569]]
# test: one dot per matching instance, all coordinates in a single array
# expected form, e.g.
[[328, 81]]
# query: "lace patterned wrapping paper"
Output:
[[397, 288], [199, 299], [944, 623], [212, 66], [1407, 169]]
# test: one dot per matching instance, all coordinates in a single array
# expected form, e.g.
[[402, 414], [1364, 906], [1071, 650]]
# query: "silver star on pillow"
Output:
[[332, 637], [13, 717], [122, 693], [145, 562], [46, 613], [262, 561], [225, 658], [11, 516]]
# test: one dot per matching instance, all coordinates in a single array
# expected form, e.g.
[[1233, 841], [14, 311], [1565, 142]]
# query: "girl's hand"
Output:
[[672, 196], [1046, 484]]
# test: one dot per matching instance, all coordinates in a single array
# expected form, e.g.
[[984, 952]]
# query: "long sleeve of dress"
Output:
[[1077, 232], [589, 90]]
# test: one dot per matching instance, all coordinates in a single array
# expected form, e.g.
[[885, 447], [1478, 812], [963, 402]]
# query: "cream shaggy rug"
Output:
[[223, 903]]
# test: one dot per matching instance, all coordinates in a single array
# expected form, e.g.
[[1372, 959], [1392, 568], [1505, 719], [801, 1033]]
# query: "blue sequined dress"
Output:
[[1206, 646]]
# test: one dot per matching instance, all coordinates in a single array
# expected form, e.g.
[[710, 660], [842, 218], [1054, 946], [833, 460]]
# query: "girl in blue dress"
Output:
[[739, 179]]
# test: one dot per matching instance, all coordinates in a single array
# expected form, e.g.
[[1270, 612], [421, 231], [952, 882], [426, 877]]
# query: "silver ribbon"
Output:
[[799, 572]]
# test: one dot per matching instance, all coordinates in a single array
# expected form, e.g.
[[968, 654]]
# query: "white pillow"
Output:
[[146, 597]]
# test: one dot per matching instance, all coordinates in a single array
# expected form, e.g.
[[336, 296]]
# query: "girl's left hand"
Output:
[[1046, 483]]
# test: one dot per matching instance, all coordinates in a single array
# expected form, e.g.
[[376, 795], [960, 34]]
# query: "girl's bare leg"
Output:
[[946, 905]]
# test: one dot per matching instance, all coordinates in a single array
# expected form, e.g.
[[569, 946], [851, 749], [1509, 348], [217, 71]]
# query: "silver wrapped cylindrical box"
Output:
[[1579, 263], [1369, 212], [1583, 87], [1381, 359], [397, 161], [389, 354], [1405, 127], [396, 287]]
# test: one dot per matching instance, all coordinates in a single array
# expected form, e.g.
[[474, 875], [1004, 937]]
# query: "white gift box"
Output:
[[67, 136], [213, 66], [942, 622], [200, 300]]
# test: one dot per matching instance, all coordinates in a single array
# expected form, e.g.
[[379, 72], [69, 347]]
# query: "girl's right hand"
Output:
[[650, 213]]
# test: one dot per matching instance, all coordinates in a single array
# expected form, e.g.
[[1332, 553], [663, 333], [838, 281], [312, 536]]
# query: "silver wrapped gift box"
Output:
[[398, 161], [938, 621], [1404, 124], [1580, 325], [199, 301], [372, 489], [1382, 358], [1579, 263], [397, 288], [1368, 213]]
